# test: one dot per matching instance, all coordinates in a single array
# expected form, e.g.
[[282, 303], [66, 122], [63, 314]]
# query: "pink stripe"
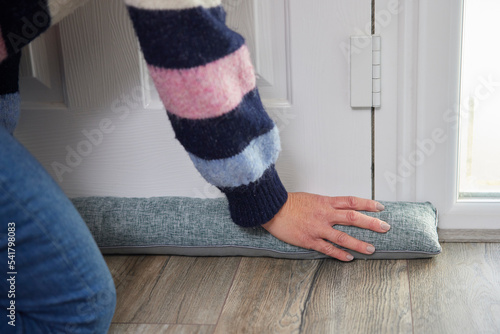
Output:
[[3, 49], [206, 91]]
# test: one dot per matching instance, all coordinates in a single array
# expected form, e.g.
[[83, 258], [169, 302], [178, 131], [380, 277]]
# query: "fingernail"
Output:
[[380, 207], [349, 257], [384, 226], [370, 249]]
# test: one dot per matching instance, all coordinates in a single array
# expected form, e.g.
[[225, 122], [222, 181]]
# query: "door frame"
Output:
[[421, 121]]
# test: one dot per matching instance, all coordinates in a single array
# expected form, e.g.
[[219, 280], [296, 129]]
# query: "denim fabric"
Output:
[[203, 227], [9, 111], [62, 283]]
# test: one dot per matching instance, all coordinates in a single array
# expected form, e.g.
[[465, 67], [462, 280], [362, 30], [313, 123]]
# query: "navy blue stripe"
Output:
[[227, 135], [257, 203], [9, 74], [22, 21], [184, 38]]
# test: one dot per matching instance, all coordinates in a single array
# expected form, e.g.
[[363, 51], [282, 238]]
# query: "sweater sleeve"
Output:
[[204, 76]]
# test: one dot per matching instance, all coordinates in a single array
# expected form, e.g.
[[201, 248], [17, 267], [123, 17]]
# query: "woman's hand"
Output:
[[306, 221]]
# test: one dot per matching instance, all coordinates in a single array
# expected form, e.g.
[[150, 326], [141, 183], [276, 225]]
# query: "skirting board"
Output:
[[451, 235]]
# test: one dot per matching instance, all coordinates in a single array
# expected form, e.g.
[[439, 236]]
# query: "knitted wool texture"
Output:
[[204, 76]]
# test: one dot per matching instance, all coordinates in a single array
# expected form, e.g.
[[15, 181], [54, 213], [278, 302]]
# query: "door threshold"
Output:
[[468, 235]]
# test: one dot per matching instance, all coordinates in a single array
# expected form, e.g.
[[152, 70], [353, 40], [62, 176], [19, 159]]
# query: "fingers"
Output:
[[328, 238], [356, 203], [327, 248], [345, 240], [354, 218]]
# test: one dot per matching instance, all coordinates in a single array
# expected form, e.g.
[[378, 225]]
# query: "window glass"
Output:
[[479, 162]]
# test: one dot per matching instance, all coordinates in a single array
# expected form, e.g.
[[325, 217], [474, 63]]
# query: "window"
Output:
[[479, 149], [446, 109]]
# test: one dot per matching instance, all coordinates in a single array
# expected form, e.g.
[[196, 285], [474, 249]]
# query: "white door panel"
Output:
[[298, 49], [326, 149]]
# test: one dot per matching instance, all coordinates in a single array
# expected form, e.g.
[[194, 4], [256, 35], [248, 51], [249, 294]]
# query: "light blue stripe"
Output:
[[246, 167], [10, 106]]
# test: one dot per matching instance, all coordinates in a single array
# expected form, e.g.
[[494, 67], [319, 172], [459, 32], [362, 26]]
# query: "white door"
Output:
[[299, 49]]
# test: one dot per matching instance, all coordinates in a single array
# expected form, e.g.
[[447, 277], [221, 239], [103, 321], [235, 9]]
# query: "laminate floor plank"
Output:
[[267, 296], [458, 291], [171, 290], [359, 297], [134, 277], [160, 329]]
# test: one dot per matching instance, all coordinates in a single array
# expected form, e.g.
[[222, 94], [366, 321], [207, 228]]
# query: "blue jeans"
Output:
[[60, 282]]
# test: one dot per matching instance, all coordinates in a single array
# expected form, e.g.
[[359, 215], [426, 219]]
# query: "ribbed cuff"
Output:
[[258, 202]]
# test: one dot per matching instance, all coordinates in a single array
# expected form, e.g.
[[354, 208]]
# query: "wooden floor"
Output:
[[456, 292]]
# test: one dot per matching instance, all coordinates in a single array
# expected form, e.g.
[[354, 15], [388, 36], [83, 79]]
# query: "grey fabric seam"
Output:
[[252, 248]]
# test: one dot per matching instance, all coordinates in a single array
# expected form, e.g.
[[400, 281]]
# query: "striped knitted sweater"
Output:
[[204, 76]]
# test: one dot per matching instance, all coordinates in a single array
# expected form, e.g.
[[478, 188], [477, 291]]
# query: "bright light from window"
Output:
[[479, 163]]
